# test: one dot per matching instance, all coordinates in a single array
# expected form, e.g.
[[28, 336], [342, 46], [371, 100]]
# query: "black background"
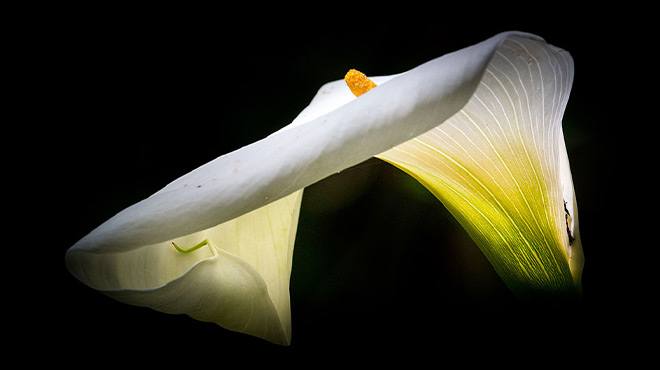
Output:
[[133, 99]]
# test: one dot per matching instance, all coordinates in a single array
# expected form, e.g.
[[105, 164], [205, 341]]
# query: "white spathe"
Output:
[[500, 166], [246, 203]]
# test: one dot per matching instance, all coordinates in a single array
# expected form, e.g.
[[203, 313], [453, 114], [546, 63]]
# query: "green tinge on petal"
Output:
[[240, 280], [500, 167]]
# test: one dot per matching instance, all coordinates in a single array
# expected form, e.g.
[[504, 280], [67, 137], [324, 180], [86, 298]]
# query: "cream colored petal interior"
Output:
[[240, 280], [497, 166]]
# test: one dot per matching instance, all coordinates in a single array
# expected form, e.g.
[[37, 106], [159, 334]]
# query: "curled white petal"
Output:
[[246, 203], [289, 160], [500, 165], [239, 279], [501, 168]]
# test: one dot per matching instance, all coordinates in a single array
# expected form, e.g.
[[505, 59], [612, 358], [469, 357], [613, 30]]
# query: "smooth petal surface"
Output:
[[501, 168], [246, 203], [339, 134]]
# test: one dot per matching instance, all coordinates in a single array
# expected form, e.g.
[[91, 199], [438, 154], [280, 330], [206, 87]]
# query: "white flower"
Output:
[[217, 243]]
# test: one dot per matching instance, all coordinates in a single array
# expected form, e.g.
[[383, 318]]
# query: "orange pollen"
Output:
[[358, 82]]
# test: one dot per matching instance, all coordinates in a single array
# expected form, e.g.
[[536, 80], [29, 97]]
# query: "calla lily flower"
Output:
[[479, 127]]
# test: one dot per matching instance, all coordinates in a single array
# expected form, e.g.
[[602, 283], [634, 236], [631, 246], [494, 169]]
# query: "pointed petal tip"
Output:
[[238, 277]]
